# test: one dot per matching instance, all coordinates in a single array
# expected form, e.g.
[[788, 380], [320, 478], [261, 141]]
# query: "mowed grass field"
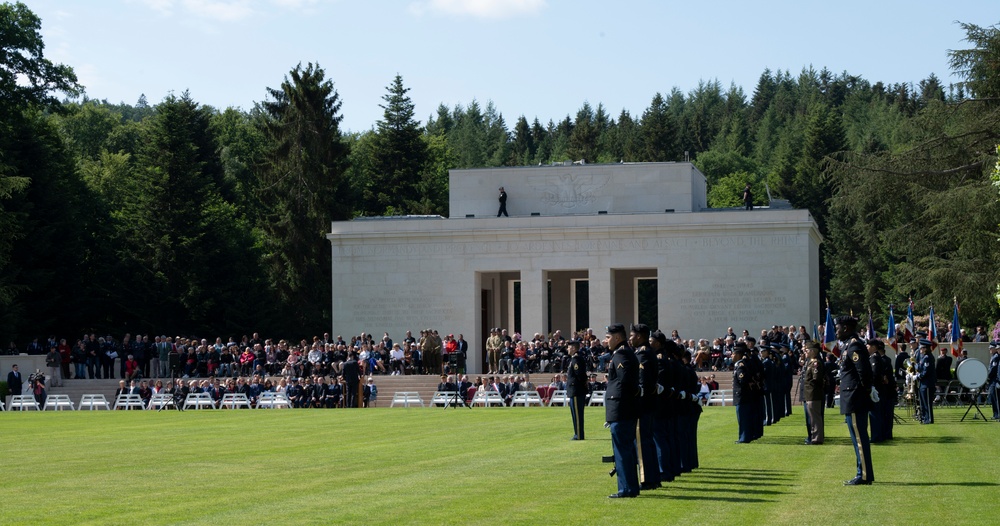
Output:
[[482, 466]]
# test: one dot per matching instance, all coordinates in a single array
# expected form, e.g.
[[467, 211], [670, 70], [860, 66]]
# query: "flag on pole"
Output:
[[830, 335], [956, 333], [890, 332], [932, 334], [908, 327], [870, 331]]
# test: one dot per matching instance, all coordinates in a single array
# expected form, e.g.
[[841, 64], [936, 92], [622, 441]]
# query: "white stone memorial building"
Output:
[[584, 246]]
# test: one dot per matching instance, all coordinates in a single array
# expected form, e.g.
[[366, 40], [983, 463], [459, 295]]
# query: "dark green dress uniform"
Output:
[[576, 391], [855, 402]]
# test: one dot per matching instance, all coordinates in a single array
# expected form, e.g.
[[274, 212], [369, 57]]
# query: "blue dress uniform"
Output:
[[621, 409], [881, 413], [742, 398], [665, 425], [770, 387], [576, 390], [992, 379], [855, 402], [689, 420], [787, 378], [927, 372], [649, 466]]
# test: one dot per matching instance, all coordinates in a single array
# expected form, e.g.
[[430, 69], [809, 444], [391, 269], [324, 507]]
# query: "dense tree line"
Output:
[[185, 218]]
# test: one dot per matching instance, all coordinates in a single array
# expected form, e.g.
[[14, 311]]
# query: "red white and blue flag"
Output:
[[870, 331], [830, 343], [890, 332], [908, 325], [932, 334], [956, 333]]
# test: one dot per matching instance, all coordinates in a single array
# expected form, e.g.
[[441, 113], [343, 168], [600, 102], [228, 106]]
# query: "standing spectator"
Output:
[[503, 203], [943, 365], [15, 384], [53, 360], [352, 376], [37, 385], [79, 358], [747, 197], [67, 357]]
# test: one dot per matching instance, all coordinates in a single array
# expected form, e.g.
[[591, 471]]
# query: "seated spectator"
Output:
[[703, 390], [132, 369], [396, 359]]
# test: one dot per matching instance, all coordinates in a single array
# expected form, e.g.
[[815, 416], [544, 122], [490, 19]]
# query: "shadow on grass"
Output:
[[905, 441], [740, 470], [798, 441], [932, 484], [701, 498], [742, 490]]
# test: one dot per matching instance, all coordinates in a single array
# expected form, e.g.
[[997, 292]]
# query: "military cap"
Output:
[[994, 344], [574, 342], [926, 343], [616, 328], [847, 321]]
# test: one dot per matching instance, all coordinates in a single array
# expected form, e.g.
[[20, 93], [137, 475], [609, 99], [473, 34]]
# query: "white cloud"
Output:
[[221, 11], [164, 7], [493, 9], [213, 10]]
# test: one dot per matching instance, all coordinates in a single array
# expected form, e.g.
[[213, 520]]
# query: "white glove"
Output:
[[683, 395], [659, 389], [874, 395], [607, 425]]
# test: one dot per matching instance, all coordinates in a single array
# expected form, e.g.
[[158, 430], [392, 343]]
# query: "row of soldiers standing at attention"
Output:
[[867, 392], [762, 386], [651, 409]]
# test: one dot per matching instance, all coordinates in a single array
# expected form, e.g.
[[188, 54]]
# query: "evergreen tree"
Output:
[[659, 132], [303, 184], [398, 156]]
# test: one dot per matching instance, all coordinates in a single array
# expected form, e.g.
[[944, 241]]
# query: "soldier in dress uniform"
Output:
[[926, 370], [855, 396], [576, 387], [621, 409], [813, 393], [664, 425], [742, 398], [770, 376], [992, 378], [649, 467], [689, 414], [885, 385], [755, 396]]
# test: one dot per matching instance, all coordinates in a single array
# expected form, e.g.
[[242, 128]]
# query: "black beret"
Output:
[[573, 342], [877, 343], [846, 321], [616, 328], [659, 336], [640, 328]]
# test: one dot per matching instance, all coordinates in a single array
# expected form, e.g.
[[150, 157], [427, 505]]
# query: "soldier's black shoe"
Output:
[[857, 481], [621, 496], [648, 486]]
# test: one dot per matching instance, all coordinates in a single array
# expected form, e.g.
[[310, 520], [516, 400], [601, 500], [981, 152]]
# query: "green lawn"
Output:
[[492, 466]]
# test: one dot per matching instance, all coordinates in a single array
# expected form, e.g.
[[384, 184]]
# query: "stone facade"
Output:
[[610, 225]]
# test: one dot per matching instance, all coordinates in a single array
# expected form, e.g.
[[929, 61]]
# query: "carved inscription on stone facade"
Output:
[[741, 305], [571, 245], [569, 191]]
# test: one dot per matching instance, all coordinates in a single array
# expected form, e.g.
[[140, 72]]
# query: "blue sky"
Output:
[[538, 58]]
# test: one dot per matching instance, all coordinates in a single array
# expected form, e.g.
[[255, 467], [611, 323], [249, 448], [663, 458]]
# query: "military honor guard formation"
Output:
[[650, 408]]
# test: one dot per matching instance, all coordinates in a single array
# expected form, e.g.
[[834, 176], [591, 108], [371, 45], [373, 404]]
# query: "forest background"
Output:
[[175, 217]]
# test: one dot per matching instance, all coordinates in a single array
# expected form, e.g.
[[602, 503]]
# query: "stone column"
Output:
[[561, 303], [534, 302], [602, 299]]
